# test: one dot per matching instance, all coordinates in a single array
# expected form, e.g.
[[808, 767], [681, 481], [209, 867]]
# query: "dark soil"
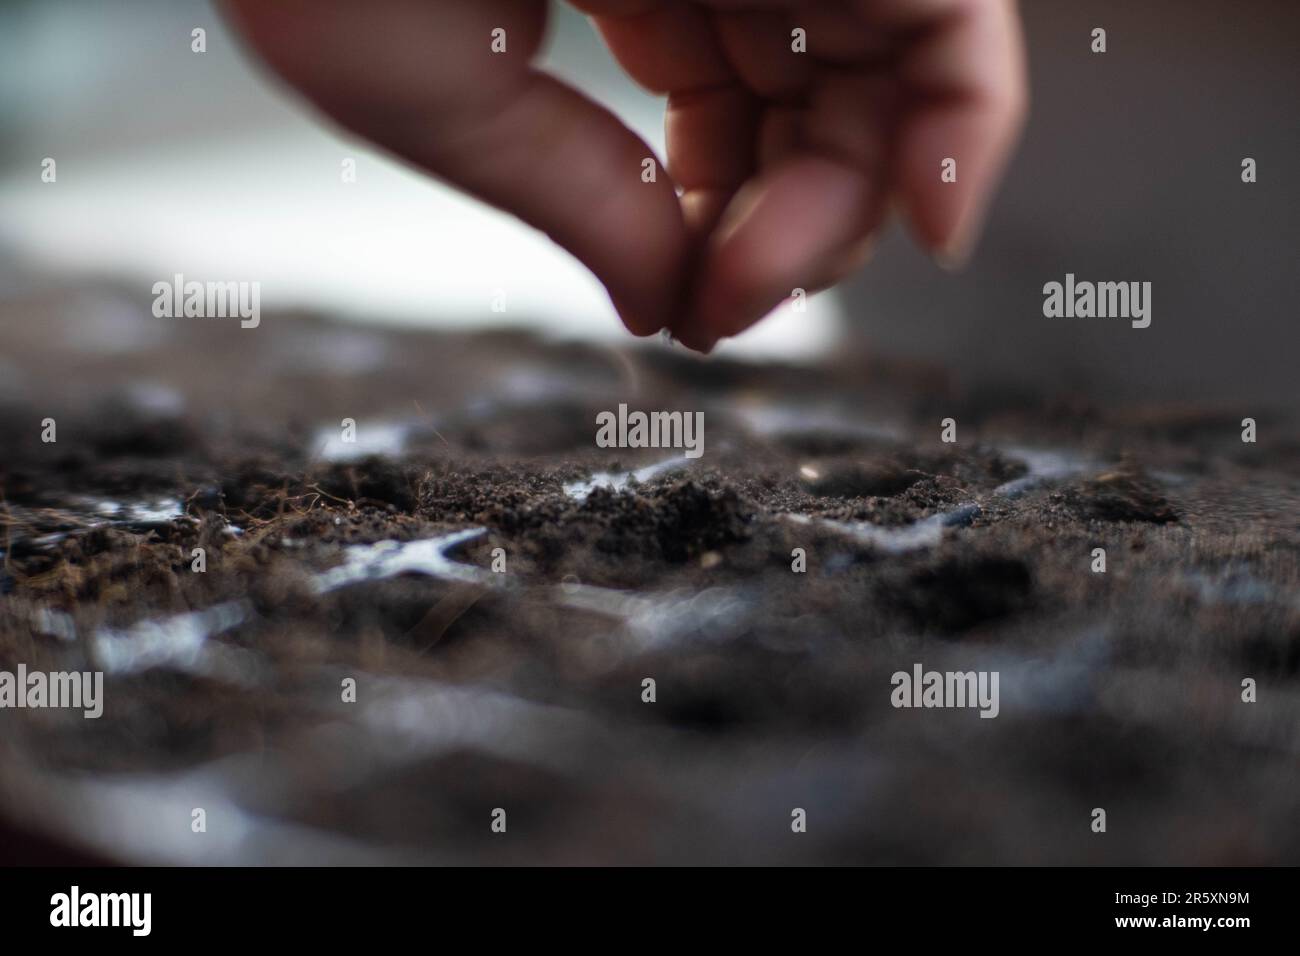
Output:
[[523, 689]]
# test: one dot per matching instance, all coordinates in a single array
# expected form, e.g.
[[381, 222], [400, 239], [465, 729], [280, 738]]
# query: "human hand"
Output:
[[786, 162]]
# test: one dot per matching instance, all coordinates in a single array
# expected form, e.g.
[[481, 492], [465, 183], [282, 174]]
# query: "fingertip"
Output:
[[945, 218], [952, 257], [717, 309], [802, 227], [701, 342], [690, 332], [636, 321]]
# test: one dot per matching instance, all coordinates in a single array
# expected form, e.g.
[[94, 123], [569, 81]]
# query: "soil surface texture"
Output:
[[499, 590]]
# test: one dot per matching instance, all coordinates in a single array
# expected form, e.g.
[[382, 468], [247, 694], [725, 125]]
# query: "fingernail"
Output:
[[953, 257], [957, 251], [702, 345]]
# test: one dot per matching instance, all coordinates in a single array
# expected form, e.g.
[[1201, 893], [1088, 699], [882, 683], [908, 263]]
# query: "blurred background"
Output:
[[169, 161]]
